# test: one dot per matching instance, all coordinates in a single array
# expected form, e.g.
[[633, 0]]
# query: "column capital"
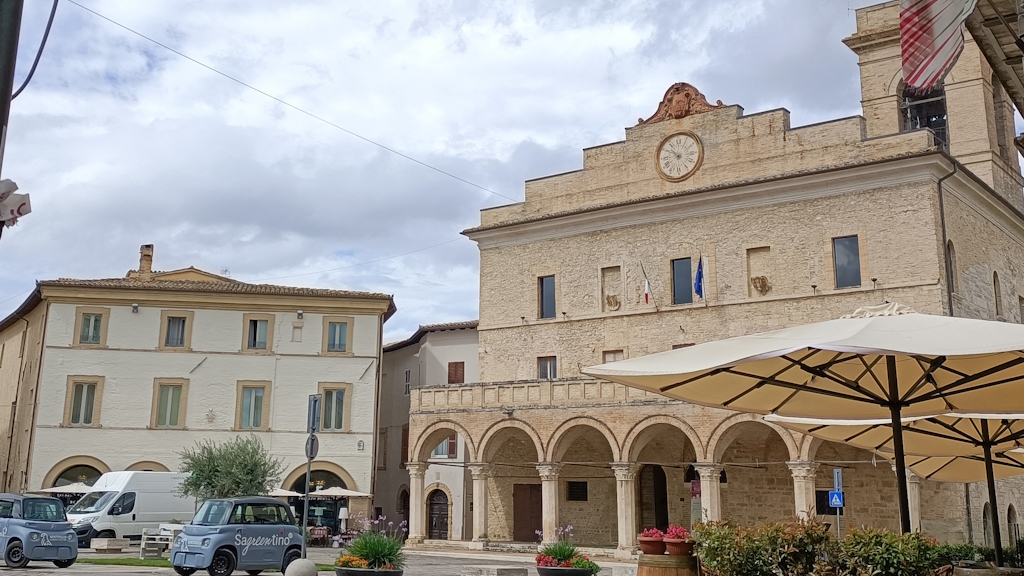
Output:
[[480, 470], [549, 470], [706, 469], [416, 469], [802, 470], [625, 470]]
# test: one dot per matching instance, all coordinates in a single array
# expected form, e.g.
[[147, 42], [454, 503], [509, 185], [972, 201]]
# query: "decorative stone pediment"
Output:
[[681, 100]]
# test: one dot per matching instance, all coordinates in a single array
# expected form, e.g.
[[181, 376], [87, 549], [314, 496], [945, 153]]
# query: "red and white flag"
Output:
[[931, 39]]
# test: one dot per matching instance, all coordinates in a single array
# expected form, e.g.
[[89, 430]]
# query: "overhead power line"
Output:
[[293, 106], [39, 53]]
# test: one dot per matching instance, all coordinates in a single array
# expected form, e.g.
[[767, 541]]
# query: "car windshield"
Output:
[[213, 513], [92, 502], [45, 509]]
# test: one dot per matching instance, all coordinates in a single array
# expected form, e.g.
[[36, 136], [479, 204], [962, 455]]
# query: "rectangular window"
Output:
[[91, 324], [175, 332], [576, 491], [682, 281], [257, 335], [252, 407], [821, 506], [613, 356], [546, 287], [405, 446], [334, 410], [456, 372], [408, 378], [337, 333], [448, 448], [382, 449], [83, 403], [168, 406], [547, 368], [846, 255]]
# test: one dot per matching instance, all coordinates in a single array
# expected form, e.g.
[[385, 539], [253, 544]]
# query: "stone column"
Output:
[[481, 472], [914, 496], [417, 503], [710, 490], [549, 494], [625, 491], [804, 474]]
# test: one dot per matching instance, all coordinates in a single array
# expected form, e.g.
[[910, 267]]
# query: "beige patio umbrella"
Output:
[[73, 488], [947, 448], [337, 492], [879, 362], [282, 493]]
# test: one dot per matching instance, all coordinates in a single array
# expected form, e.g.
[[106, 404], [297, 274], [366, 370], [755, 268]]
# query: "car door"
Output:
[[6, 513], [123, 514], [255, 549]]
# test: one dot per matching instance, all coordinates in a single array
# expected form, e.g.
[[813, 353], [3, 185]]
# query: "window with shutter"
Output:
[[453, 446], [456, 372]]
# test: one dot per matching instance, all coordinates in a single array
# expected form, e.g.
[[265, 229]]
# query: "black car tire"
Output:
[[64, 563], [184, 571], [223, 563], [253, 572], [14, 556], [289, 557], [106, 534]]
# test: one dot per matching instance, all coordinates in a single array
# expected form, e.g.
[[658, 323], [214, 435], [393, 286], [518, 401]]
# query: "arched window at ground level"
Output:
[[322, 511]]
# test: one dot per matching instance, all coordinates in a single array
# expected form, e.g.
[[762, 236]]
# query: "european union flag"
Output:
[[698, 281]]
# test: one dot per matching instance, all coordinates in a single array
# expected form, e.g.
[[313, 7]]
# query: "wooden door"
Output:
[[527, 512], [438, 515]]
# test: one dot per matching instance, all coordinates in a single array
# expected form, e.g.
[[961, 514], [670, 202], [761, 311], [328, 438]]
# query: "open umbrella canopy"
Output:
[[73, 488], [855, 367], [282, 493], [338, 493], [965, 468], [946, 435]]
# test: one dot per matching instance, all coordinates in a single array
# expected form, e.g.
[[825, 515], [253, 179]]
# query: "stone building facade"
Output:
[[788, 226]]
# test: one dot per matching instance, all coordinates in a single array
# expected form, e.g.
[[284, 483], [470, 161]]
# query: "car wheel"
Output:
[[289, 557], [14, 556], [223, 563], [253, 572], [184, 571], [63, 563], [107, 534]]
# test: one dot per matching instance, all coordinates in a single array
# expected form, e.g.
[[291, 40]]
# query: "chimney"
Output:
[[146, 261]]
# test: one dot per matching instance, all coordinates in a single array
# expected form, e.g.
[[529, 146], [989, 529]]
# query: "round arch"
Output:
[[487, 451], [724, 435], [643, 431], [148, 466], [809, 448], [321, 466], [402, 499], [569, 430], [51, 477], [432, 435], [438, 487]]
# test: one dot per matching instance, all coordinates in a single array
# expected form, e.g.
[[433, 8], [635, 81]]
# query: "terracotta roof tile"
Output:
[[425, 328], [233, 287]]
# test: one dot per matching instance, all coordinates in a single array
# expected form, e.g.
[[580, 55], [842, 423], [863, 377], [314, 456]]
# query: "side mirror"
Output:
[[115, 511]]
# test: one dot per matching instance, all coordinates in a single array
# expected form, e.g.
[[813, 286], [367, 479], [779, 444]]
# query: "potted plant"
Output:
[[678, 541], [377, 550], [562, 558], [652, 541]]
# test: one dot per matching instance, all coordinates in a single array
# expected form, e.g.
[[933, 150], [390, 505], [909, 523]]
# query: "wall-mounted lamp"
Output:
[[563, 315], [299, 314], [360, 445], [874, 282], [814, 287], [523, 319], [135, 308]]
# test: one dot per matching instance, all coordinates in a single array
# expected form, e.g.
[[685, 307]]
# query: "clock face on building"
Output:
[[679, 156]]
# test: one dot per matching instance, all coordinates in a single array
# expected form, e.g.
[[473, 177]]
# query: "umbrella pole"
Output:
[[990, 480], [897, 444]]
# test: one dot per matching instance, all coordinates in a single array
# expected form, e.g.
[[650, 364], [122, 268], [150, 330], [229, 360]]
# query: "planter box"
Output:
[[651, 546], [552, 571], [365, 572], [110, 545]]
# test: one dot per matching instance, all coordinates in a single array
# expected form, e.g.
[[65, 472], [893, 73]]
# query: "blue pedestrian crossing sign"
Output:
[[836, 498]]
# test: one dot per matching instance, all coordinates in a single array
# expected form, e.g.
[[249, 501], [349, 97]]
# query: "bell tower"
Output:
[[970, 113]]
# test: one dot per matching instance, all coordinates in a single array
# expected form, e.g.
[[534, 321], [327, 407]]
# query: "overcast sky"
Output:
[[121, 142]]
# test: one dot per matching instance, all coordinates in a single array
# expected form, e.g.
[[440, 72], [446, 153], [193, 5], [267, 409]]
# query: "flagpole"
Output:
[[704, 284]]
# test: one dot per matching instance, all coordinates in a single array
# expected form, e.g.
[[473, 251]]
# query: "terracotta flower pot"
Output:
[[678, 547], [654, 546]]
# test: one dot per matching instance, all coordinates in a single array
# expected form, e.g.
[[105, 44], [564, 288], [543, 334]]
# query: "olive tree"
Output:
[[238, 467]]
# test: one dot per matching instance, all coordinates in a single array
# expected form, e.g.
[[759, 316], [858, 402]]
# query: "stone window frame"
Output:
[[241, 385], [346, 417], [557, 365], [600, 295], [69, 398], [829, 282], [271, 319], [80, 312], [182, 405], [612, 350], [537, 273], [349, 331], [165, 316], [693, 273]]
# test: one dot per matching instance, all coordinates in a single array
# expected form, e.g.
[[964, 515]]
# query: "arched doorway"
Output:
[[403, 506], [437, 515], [80, 473], [322, 511], [653, 497]]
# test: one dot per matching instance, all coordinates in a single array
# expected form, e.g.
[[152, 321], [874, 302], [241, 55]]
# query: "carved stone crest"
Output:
[[681, 100], [612, 302]]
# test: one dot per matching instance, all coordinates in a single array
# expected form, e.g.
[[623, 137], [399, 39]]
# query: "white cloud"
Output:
[[122, 143]]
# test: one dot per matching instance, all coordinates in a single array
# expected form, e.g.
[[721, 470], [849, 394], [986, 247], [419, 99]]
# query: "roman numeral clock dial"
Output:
[[679, 156]]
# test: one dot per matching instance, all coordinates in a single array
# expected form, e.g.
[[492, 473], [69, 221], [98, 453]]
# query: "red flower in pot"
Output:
[[678, 541], [652, 541]]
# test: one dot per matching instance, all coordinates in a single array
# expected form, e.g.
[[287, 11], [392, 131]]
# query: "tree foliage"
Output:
[[238, 467]]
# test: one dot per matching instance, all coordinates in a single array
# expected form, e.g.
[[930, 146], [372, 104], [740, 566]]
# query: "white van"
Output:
[[123, 504]]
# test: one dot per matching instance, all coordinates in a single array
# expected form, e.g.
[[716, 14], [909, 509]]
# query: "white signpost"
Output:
[[836, 498], [312, 447]]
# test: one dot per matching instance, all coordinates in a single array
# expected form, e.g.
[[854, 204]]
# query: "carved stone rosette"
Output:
[[681, 100]]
